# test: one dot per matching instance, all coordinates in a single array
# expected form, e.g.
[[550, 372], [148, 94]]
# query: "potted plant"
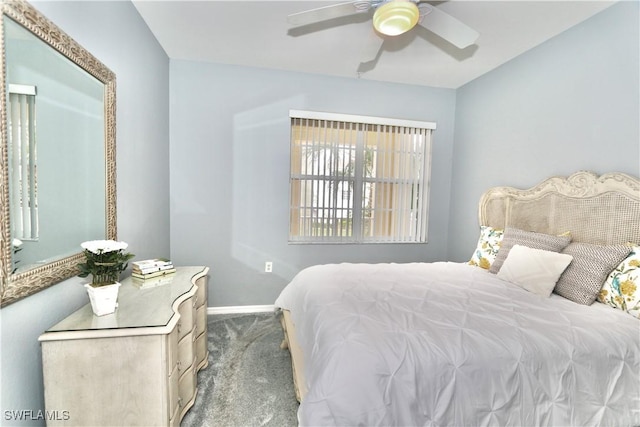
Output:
[[17, 247], [105, 260]]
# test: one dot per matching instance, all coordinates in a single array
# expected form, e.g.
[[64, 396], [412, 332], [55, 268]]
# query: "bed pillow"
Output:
[[515, 236], [487, 247], [620, 290], [535, 270], [582, 280]]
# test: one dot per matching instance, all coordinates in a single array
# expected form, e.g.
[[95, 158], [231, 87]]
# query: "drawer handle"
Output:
[[179, 326], [180, 402], [179, 366]]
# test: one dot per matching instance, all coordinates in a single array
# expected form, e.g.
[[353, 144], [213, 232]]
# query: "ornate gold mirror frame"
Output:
[[17, 285]]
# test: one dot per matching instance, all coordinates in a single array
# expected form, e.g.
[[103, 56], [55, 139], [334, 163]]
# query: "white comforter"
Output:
[[447, 344]]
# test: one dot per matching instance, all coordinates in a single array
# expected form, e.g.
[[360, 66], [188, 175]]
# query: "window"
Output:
[[357, 179], [22, 162]]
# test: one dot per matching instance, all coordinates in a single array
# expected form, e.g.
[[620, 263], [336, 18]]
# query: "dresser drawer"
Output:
[[201, 283], [187, 313], [187, 385], [201, 319], [172, 348], [201, 350], [174, 392], [186, 352], [175, 418]]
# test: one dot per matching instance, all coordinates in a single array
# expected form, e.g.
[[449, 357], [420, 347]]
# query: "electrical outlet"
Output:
[[268, 267]]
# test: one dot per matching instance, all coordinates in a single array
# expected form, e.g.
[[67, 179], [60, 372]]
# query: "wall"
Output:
[[230, 172], [566, 105], [569, 104], [117, 36]]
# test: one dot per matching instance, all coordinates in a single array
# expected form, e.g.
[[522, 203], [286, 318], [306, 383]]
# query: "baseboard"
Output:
[[241, 309]]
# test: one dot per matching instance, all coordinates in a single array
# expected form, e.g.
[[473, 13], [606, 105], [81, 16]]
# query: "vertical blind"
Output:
[[358, 179], [22, 162]]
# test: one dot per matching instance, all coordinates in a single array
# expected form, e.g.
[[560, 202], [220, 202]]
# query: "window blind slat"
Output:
[[14, 177], [388, 147], [24, 168], [401, 235]]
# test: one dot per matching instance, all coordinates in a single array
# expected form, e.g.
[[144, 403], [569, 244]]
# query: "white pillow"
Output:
[[535, 270]]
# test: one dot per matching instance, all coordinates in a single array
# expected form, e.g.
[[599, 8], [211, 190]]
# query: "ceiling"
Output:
[[256, 33]]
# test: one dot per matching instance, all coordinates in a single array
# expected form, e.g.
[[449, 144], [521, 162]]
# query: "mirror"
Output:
[[57, 154]]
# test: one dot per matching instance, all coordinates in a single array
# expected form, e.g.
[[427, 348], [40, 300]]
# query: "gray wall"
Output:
[[564, 106], [116, 35], [570, 104], [230, 172]]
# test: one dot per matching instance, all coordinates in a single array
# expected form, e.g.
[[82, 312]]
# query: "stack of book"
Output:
[[152, 282], [149, 268]]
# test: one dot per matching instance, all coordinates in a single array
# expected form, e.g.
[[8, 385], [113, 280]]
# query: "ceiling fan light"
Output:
[[396, 17]]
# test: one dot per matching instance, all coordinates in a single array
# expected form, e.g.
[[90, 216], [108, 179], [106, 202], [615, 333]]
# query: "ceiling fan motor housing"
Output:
[[395, 17]]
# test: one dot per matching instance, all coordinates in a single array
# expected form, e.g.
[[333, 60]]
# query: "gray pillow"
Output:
[[530, 239], [582, 280]]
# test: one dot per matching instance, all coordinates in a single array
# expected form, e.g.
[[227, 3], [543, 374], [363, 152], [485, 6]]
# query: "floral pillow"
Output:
[[487, 248], [620, 290]]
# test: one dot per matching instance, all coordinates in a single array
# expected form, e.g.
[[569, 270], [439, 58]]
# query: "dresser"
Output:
[[135, 367]]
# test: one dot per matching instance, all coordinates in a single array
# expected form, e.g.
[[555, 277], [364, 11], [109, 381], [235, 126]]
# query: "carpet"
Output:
[[248, 381]]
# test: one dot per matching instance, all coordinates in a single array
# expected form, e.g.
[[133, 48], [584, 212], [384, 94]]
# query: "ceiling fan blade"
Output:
[[328, 12], [447, 27], [373, 46], [374, 51]]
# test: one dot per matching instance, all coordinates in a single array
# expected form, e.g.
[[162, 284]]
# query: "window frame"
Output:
[[358, 233]]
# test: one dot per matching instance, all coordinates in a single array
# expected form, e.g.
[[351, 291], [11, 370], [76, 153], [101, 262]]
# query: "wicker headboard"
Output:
[[595, 209]]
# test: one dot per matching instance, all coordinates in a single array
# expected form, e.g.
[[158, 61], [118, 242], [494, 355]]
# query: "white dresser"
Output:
[[135, 367]]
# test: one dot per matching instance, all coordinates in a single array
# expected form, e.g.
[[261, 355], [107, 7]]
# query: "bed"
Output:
[[540, 327]]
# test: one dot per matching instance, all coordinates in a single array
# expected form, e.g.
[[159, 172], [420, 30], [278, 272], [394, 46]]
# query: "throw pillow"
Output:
[[621, 289], [535, 270], [487, 247], [515, 236], [582, 280]]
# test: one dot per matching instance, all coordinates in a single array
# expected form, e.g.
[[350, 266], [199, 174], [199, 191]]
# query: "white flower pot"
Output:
[[104, 299]]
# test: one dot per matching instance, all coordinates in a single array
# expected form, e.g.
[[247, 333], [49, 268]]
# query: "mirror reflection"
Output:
[[56, 171], [23, 194], [57, 152]]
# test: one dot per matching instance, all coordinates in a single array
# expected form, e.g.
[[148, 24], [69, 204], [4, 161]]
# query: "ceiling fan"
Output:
[[393, 18]]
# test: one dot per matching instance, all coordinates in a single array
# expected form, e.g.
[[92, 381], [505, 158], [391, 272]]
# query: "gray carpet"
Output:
[[248, 381]]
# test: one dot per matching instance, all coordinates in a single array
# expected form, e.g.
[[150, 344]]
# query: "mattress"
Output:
[[451, 344]]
